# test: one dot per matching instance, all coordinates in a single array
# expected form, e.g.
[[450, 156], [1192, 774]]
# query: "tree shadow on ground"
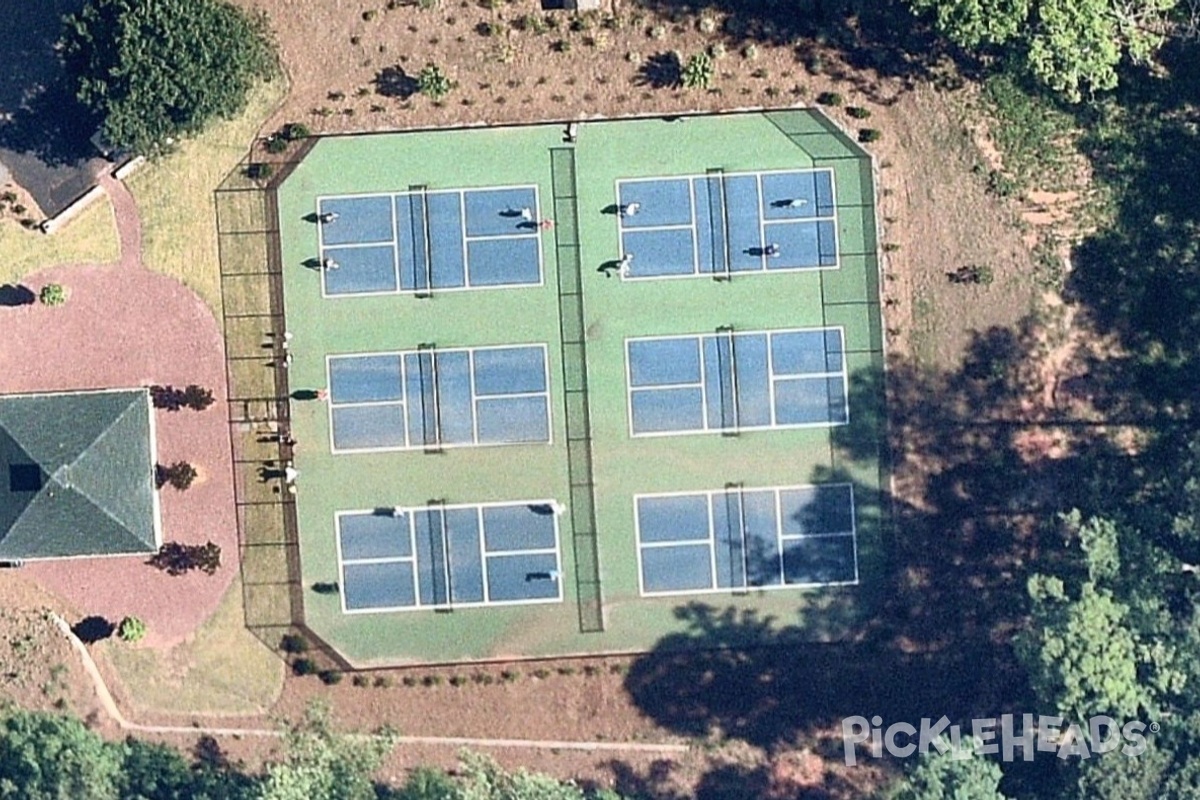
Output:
[[17, 295], [661, 71], [974, 483], [858, 41], [93, 629], [395, 82]]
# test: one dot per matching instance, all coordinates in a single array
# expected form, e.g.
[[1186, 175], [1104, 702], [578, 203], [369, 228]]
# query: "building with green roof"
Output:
[[78, 475]]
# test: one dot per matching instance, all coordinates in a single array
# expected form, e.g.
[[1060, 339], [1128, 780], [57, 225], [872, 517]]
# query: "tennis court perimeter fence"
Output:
[[259, 415]]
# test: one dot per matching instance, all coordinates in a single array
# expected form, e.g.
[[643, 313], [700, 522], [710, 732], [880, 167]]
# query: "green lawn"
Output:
[[90, 238], [223, 669], [621, 466], [175, 197]]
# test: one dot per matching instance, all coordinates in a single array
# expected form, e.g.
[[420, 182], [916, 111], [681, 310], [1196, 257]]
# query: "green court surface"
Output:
[[592, 465]]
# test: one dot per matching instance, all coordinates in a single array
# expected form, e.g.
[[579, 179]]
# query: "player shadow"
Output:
[[785, 203], [269, 472], [311, 263], [609, 268], [312, 217], [511, 213], [612, 209], [527, 225], [16, 295]]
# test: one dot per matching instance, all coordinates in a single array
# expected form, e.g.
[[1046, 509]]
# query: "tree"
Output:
[[197, 398], [952, 775], [131, 630], [53, 294], [175, 558], [433, 83], [180, 475], [1072, 46], [321, 764], [52, 757], [152, 71], [697, 72]]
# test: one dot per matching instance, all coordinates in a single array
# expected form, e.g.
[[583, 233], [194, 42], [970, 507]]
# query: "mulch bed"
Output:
[[125, 327]]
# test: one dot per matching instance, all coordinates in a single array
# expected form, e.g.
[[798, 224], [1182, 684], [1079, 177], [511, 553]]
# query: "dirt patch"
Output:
[[352, 67], [124, 327], [38, 668]]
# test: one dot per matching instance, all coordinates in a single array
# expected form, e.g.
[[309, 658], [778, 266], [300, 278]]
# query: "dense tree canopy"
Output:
[[155, 70], [952, 775], [48, 757], [54, 757], [1073, 46]]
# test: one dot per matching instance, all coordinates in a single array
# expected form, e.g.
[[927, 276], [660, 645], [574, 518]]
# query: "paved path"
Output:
[[113, 711], [129, 223]]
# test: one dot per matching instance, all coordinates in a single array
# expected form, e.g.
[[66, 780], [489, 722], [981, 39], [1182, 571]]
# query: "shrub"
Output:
[[8, 197], [870, 135], [259, 171], [131, 630], [427, 5], [830, 99], [361, 680], [293, 643], [567, 670], [196, 397], [707, 25], [509, 675], [858, 112], [409, 680], [891, 247], [433, 83], [276, 144], [383, 682], [177, 559], [18, 209], [658, 32], [591, 670], [458, 680], [432, 680], [750, 52], [53, 294], [180, 475], [368, 15], [330, 677], [294, 130], [717, 50], [541, 673], [697, 73]]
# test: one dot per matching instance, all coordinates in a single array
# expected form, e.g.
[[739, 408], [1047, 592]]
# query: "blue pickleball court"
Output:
[[721, 224], [423, 241], [446, 556]]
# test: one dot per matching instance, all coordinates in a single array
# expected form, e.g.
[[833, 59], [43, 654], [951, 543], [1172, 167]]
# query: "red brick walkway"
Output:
[[125, 326]]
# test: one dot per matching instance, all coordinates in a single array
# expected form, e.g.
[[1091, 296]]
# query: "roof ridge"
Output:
[[83, 453]]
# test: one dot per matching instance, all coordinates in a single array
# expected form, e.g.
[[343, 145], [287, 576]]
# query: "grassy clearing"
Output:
[[224, 669], [175, 198], [90, 238], [1036, 139]]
